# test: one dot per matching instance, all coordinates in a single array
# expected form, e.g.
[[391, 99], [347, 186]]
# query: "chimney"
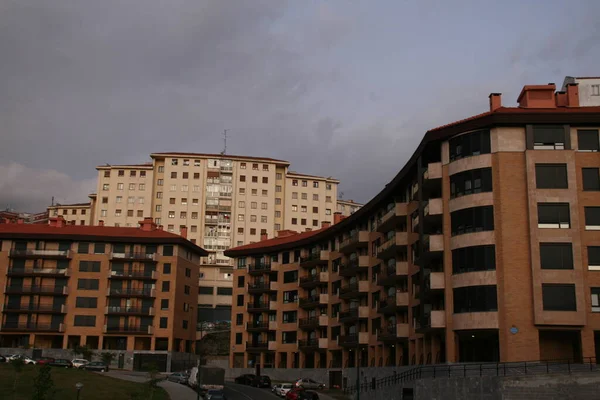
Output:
[[537, 96], [101, 223], [264, 236], [325, 224], [160, 227], [495, 101], [337, 217], [184, 232], [147, 224], [285, 233], [20, 221], [57, 222], [573, 95], [561, 99], [307, 230]]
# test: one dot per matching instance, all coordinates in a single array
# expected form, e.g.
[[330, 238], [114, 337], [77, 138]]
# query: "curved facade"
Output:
[[475, 251]]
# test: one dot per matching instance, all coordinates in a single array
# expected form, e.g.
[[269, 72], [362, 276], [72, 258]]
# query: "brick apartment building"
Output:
[[484, 247], [105, 287]]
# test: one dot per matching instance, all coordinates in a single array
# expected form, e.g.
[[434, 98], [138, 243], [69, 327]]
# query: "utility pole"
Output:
[[225, 141], [358, 371]]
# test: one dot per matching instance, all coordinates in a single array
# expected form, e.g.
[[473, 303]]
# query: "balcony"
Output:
[[226, 195], [131, 292], [308, 344], [354, 314], [389, 248], [211, 207], [314, 258], [434, 207], [260, 287], [355, 241], [222, 208], [353, 267], [134, 311], [388, 335], [433, 320], [34, 309], [354, 290], [391, 274], [435, 281], [38, 290], [257, 346], [141, 275], [393, 217], [258, 307], [354, 340], [34, 253], [257, 326], [226, 169], [315, 280], [211, 221], [33, 326], [433, 171], [308, 324], [311, 302], [392, 304], [259, 269], [133, 256], [48, 272], [129, 330]]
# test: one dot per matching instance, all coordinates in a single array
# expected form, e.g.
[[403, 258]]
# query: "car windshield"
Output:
[[286, 386]]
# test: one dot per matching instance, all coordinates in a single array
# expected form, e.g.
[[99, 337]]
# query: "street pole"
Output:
[[358, 372]]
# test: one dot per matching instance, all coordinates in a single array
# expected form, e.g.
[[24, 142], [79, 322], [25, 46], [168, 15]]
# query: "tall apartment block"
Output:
[[128, 289], [484, 247], [222, 200]]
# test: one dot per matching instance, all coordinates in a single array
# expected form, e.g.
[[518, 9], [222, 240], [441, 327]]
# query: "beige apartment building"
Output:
[[74, 214], [485, 247], [347, 207]]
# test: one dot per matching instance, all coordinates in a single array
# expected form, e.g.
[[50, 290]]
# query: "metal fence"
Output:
[[541, 367]]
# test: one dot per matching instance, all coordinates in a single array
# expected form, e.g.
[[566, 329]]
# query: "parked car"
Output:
[[215, 395], [26, 360], [307, 383], [293, 393], [246, 379], [44, 360], [179, 377], [275, 387], [283, 389], [2, 359], [79, 362], [307, 395], [96, 366], [61, 363], [262, 381]]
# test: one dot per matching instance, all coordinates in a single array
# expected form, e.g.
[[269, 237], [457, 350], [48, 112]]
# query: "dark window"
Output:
[[554, 215], [592, 216], [551, 176], [475, 299], [166, 286], [164, 304], [83, 248], [240, 282], [593, 255], [588, 139], [290, 276], [240, 300], [474, 219], [85, 320], [556, 256], [166, 268], [88, 284], [206, 290], [548, 137], [289, 337], [238, 338], [86, 302], [470, 144], [89, 266], [184, 324], [591, 179], [290, 296], [99, 248], [224, 291], [290, 317], [167, 250], [470, 182], [285, 258], [474, 258], [188, 272], [239, 319], [163, 322], [559, 297]]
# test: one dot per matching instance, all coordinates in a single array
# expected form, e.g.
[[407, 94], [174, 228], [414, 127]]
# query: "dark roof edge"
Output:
[[484, 121]]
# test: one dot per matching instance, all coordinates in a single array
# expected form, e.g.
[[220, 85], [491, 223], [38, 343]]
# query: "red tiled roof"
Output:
[[220, 156], [148, 164], [266, 244], [71, 205], [311, 176]]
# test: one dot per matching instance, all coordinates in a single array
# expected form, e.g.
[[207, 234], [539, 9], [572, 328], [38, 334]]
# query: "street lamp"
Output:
[[78, 386]]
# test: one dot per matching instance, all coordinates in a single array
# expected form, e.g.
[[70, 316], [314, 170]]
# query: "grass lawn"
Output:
[[95, 385]]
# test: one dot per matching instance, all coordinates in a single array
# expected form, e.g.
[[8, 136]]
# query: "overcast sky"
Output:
[[345, 88]]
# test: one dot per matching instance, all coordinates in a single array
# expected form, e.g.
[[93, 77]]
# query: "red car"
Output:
[[45, 360], [293, 394]]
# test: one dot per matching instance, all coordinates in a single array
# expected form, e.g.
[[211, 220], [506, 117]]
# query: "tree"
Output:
[[85, 352], [107, 357], [43, 386], [17, 364], [153, 380]]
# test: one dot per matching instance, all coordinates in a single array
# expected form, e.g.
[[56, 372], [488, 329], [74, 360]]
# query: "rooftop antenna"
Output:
[[341, 195], [225, 142], [52, 201]]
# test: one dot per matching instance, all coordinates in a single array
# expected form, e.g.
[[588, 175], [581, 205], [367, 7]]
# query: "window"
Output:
[[186, 289], [196, 188], [255, 179], [304, 183], [238, 338], [556, 256], [89, 266], [592, 218], [196, 175], [470, 144], [263, 206], [121, 173], [474, 258], [132, 186], [183, 214], [194, 202], [548, 137], [303, 209], [166, 286], [164, 304], [159, 182], [470, 182], [265, 167], [315, 210], [158, 207], [205, 290], [170, 227], [99, 248], [315, 184], [328, 211], [303, 221], [264, 193], [184, 201], [265, 179], [195, 215], [289, 337], [239, 319], [290, 296], [278, 176], [254, 205], [172, 200], [103, 213], [107, 174], [159, 195], [294, 182], [242, 178], [278, 188], [171, 214], [167, 250], [475, 299], [277, 214], [88, 284], [595, 299], [294, 221], [240, 217], [119, 199], [131, 200], [290, 276], [254, 192], [224, 291], [142, 186], [104, 200], [166, 268], [315, 222], [558, 297], [253, 230], [591, 179], [294, 208], [241, 204], [277, 201], [263, 219], [105, 186], [255, 167], [328, 199], [184, 324], [551, 176], [163, 322], [186, 175], [161, 169], [86, 302], [184, 188], [474, 219], [133, 173], [593, 258], [304, 196], [83, 248], [141, 200], [173, 161], [277, 227], [554, 215], [84, 320], [290, 317]]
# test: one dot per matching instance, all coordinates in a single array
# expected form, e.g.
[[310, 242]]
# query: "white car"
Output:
[[26, 360], [283, 389], [79, 362]]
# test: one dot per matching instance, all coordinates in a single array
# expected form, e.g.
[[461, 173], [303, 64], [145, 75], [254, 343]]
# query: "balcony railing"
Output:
[[139, 330], [306, 343], [40, 253], [259, 306], [259, 268], [129, 310], [349, 315], [133, 256], [32, 326], [259, 287], [226, 169], [62, 272], [131, 292], [257, 325], [51, 290], [387, 335], [132, 274], [35, 308], [310, 301], [257, 345], [308, 323]]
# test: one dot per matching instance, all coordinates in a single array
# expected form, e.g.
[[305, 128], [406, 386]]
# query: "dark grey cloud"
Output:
[[332, 86]]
